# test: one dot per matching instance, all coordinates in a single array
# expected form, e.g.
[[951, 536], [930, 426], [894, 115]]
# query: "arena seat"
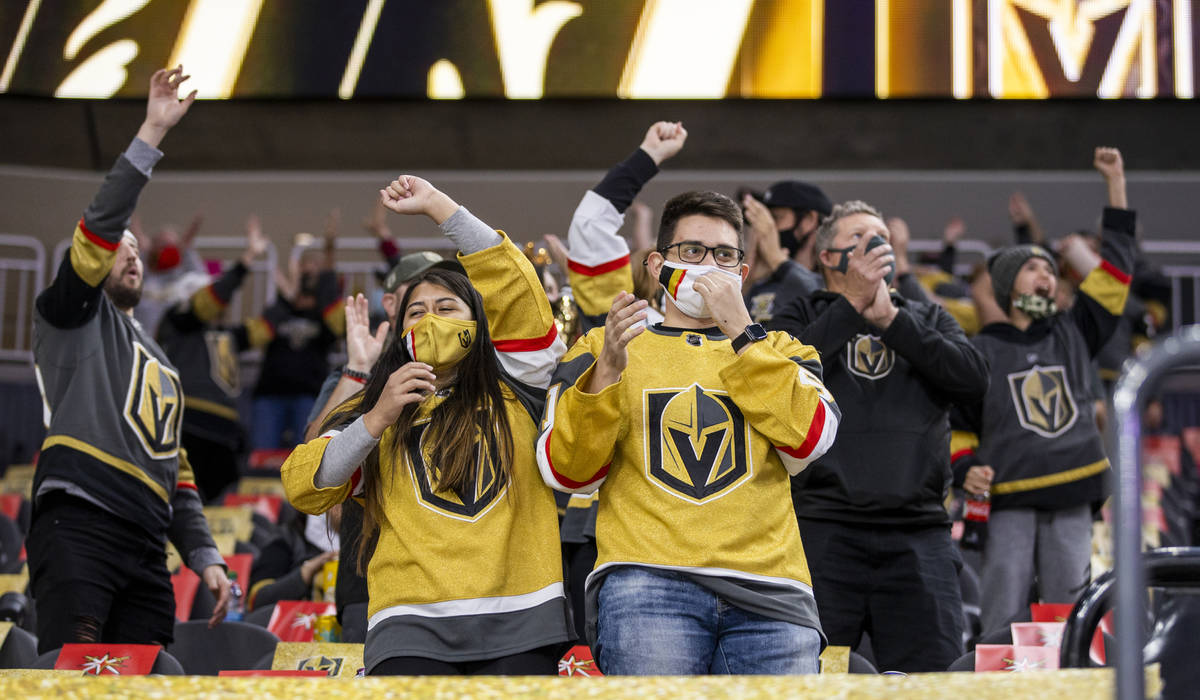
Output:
[[164, 664], [261, 616], [230, 646], [19, 649]]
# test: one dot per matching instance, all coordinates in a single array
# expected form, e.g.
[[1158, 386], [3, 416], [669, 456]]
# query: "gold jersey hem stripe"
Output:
[[114, 462], [1041, 482], [193, 403]]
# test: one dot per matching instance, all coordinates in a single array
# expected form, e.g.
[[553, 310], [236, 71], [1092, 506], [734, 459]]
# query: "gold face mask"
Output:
[[439, 341]]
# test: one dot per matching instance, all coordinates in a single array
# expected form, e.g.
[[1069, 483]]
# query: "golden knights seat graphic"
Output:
[[868, 357], [698, 443], [1043, 399]]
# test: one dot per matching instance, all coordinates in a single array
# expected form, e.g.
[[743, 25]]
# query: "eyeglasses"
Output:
[[691, 252]]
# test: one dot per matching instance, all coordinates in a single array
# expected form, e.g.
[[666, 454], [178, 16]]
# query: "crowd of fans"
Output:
[[742, 438]]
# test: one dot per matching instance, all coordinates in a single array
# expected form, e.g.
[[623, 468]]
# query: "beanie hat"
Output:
[[800, 196], [1006, 263]]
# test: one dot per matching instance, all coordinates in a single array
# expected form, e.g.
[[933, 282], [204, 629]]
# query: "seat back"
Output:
[[230, 646]]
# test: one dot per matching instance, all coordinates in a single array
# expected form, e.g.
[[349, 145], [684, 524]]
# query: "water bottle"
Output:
[[237, 602], [975, 521]]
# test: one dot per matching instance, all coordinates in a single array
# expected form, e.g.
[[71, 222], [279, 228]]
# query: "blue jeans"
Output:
[[659, 622], [273, 415]]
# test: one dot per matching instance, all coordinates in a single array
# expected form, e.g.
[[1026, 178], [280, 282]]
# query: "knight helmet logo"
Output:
[[1043, 399], [464, 337], [153, 406], [331, 665], [223, 361], [485, 489], [868, 357], [697, 443]]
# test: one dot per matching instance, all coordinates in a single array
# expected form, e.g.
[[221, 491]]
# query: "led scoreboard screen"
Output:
[[527, 49]]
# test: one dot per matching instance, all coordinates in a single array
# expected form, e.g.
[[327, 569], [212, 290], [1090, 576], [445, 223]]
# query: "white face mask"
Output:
[[678, 279]]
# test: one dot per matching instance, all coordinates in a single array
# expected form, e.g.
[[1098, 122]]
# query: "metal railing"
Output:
[[22, 276], [1129, 399], [361, 262]]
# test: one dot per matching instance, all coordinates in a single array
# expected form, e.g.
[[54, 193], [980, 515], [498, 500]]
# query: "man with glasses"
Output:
[[691, 428], [870, 510]]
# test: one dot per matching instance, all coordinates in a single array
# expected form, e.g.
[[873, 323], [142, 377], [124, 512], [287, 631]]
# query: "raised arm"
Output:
[[598, 264], [1105, 289], [72, 299], [519, 317]]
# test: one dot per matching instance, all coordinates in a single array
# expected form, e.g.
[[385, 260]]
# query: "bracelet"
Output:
[[355, 375]]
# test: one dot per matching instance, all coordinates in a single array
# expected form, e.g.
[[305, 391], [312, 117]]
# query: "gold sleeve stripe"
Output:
[[91, 256], [186, 473], [258, 586], [1108, 286], [192, 403], [114, 462], [260, 332], [1042, 482], [335, 317], [962, 442], [206, 304], [595, 294]]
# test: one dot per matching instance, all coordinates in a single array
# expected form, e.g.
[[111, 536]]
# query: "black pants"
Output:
[[96, 577], [899, 585], [542, 661]]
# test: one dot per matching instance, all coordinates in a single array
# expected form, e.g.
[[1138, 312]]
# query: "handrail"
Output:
[[1180, 348], [36, 267], [1166, 567]]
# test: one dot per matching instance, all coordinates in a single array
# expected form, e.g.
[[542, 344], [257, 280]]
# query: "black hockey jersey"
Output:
[[112, 400], [1036, 427]]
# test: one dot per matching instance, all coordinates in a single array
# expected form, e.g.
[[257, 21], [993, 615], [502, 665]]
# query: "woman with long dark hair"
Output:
[[466, 577]]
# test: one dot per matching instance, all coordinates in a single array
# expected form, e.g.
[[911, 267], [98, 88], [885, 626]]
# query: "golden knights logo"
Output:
[[1043, 399], [697, 443], [154, 406], [331, 665], [868, 357], [222, 361], [485, 490]]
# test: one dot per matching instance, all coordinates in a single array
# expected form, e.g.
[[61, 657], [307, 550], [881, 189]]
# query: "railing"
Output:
[[1129, 399], [358, 263], [22, 276]]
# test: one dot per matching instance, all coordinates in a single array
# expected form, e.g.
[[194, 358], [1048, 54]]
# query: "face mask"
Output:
[[1035, 306], [167, 258], [677, 279], [844, 262], [439, 341]]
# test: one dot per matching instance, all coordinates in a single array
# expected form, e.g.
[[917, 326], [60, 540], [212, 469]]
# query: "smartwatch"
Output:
[[752, 334]]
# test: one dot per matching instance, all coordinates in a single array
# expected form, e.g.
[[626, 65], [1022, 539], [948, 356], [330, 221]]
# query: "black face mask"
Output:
[[787, 239], [844, 261]]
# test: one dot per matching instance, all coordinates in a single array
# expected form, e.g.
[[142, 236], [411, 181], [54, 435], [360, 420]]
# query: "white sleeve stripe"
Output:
[[533, 367], [592, 239]]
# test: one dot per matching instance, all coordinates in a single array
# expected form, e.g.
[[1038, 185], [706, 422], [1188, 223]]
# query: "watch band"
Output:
[[751, 334]]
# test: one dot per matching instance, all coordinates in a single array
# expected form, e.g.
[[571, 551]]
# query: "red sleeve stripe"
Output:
[[571, 483], [212, 292], [186, 485], [594, 270], [815, 428], [1116, 273], [966, 452], [527, 344], [97, 240], [355, 478]]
